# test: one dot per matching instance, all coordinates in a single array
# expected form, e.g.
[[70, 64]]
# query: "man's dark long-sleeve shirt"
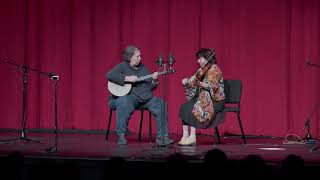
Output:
[[141, 90]]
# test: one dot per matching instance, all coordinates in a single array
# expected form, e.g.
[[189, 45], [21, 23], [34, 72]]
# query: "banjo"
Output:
[[119, 90]]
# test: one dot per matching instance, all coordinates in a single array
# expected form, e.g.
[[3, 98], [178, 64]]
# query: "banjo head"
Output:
[[119, 90]]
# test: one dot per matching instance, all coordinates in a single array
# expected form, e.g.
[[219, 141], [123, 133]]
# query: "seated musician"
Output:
[[205, 97], [140, 95]]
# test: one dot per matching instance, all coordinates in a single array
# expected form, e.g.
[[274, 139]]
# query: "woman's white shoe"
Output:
[[188, 142], [182, 141]]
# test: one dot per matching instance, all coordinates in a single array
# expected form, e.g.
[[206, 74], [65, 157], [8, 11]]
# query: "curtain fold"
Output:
[[264, 43]]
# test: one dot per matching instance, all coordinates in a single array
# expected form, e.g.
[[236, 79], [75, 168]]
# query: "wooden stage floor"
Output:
[[90, 157], [94, 146]]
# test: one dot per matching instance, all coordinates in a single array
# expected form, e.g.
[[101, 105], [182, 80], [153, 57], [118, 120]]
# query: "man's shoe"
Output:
[[122, 140], [164, 142]]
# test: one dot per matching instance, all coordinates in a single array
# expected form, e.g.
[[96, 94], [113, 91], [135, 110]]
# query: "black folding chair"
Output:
[[141, 109], [233, 92]]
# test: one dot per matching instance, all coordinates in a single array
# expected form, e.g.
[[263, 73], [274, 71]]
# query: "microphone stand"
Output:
[[25, 69], [55, 147], [162, 68], [309, 139], [164, 111], [23, 136], [163, 108]]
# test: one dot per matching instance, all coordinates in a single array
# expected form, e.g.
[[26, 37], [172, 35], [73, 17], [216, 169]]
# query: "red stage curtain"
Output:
[[264, 43]]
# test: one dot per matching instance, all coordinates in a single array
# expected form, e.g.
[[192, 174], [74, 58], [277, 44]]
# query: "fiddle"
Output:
[[200, 73]]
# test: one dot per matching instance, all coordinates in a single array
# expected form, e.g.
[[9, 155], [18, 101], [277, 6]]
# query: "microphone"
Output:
[[160, 60], [53, 76], [308, 62], [171, 59], [171, 62]]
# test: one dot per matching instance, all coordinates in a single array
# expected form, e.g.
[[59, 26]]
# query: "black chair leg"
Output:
[[240, 124], [150, 128], [216, 130], [108, 129], [140, 129]]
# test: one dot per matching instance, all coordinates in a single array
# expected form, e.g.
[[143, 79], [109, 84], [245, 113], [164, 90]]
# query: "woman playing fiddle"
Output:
[[204, 92]]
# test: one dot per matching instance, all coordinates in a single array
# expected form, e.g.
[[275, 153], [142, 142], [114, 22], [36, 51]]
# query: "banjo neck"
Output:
[[149, 76]]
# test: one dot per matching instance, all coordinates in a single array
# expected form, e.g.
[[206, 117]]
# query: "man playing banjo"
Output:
[[137, 92]]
